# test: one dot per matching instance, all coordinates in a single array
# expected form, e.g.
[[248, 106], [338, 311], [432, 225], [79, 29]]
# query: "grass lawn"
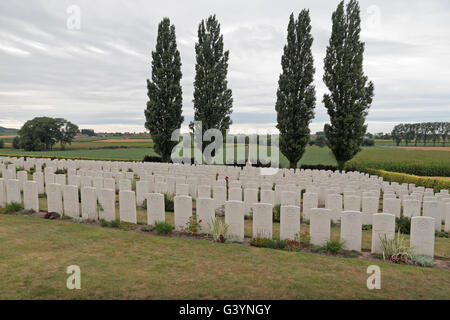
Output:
[[126, 265]]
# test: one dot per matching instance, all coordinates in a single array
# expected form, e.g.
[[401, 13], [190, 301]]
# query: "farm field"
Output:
[[37, 252]]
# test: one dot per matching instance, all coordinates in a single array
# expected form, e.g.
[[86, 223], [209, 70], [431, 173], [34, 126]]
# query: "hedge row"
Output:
[[436, 184]]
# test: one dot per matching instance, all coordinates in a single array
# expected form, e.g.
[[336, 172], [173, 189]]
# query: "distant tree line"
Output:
[[42, 133], [421, 132]]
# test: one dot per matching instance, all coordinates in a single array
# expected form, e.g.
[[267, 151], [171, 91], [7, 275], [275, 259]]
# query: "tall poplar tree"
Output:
[[296, 94], [350, 94], [213, 100], [163, 114]]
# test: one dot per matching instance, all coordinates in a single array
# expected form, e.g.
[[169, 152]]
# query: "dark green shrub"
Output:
[[16, 143], [367, 142], [333, 246], [2, 144], [268, 243], [276, 213], [13, 207], [146, 228], [168, 202], [61, 171], [441, 234], [403, 225], [115, 223], [163, 228], [367, 227]]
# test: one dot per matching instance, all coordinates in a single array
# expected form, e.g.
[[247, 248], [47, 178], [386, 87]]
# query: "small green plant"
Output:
[[28, 212], [395, 250], [13, 207], [144, 204], [367, 227], [423, 260], [114, 223], [168, 202], [292, 245], [193, 226], [219, 230], [333, 246], [163, 227], [276, 213], [42, 196], [403, 225], [442, 234], [268, 243], [104, 223], [147, 228]]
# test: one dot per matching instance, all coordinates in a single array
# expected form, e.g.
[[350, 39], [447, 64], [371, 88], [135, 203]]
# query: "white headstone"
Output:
[[89, 203], [2, 192], [182, 211], [13, 191], [369, 208], [182, 189], [383, 225], [422, 236], [268, 196], [250, 198], [155, 208], [319, 226], [219, 195], [125, 185], [71, 201], [141, 191], [310, 201], [127, 206], [351, 230], [30, 196], [392, 206], [289, 222], [235, 194], [334, 203], [431, 209], [39, 178], [107, 201], [54, 198], [411, 208], [205, 213], [352, 203], [262, 220], [288, 198], [234, 217]]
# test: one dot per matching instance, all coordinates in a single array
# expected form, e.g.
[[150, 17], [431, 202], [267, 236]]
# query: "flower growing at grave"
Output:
[[193, 226]]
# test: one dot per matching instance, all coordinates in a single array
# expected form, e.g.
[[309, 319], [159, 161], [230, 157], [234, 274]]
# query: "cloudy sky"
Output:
[[96, 76]]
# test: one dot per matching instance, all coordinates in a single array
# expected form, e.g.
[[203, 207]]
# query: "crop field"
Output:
[[434, 163]]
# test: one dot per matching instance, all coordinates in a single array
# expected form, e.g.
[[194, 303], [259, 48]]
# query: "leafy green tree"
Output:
[[16, 143], [67, 132], [88, 132], [296, 95], [350, 94], [397, 134], [40, 133], [213, 100], [164, 114]]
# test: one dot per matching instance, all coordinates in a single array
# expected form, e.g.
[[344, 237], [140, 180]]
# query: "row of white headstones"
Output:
[[210, 192]]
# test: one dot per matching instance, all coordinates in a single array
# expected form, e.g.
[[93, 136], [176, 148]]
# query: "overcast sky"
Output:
[[96, 76]]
